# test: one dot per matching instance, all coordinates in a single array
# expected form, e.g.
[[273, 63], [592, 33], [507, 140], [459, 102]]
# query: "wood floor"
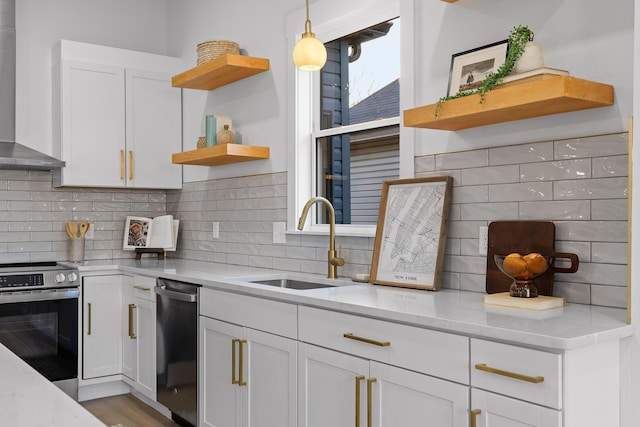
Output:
[[127, 411]]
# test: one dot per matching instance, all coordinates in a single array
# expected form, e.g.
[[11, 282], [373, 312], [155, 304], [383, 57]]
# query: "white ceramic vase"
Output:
[[531, 58]]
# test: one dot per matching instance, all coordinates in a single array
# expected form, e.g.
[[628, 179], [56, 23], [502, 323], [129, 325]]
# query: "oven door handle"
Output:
[[29, 296]]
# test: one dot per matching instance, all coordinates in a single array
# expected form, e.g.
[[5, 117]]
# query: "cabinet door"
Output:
[[220, 400], [270, 394], [405, 398], [102, 326], [92, 139], [146, 347], [154, 130], [329, 385], [129, 337], [497, 411]]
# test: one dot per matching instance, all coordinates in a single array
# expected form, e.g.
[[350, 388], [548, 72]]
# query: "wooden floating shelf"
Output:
[[220, 155], [549, 94], [220, 71]]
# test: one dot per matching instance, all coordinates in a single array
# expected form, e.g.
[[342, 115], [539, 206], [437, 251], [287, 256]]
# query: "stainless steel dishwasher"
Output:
[[177, 349]]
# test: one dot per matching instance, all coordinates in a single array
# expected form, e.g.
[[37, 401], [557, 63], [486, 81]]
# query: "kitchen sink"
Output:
[[293, 284]]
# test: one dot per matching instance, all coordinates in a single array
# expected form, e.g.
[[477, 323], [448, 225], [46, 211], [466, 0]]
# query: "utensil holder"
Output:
[[76, 249]]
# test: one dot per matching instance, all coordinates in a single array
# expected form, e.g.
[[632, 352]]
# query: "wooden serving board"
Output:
[[523, 237], [538, 303]]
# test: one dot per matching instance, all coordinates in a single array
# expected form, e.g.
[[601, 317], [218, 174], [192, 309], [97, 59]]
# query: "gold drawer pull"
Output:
[[88, 318], [367, 340], [132, 333], [241, 381], [473, 419], [358, 379], [233, 360], [142, 288], [485, 368], [370, 381], [121, 164]]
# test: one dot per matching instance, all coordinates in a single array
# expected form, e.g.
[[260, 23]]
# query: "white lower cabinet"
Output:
[[494, 410], [101, 326], [139, 334], [338, 389], [359, 371], [247, 376]]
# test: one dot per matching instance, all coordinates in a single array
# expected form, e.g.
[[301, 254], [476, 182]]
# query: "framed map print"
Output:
[[411, 233]]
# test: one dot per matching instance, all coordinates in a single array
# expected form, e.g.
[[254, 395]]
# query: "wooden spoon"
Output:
[[72, 229], [84, 227]]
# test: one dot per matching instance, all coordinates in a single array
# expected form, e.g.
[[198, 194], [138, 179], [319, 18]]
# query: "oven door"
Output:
[[41, 327]]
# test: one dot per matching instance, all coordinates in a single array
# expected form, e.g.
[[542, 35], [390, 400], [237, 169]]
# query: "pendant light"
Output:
[[309, 54]]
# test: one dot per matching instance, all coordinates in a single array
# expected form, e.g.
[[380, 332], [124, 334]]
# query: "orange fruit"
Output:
[[514, 264], [536, 263]]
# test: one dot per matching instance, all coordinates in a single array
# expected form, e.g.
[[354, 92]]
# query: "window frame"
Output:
[[304, 110]]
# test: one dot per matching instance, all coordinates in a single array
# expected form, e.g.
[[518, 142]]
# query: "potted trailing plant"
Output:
[[517, 41]]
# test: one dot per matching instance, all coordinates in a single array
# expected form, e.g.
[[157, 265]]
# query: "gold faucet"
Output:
[[333, 261]]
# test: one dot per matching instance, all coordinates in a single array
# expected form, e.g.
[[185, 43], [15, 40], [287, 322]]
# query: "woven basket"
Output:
[[202, 142], [215, 48]]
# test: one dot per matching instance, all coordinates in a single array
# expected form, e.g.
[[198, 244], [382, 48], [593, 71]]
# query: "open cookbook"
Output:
[[160, 232]]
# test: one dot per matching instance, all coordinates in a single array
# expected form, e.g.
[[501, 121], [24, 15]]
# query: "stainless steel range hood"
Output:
[[12, 154]]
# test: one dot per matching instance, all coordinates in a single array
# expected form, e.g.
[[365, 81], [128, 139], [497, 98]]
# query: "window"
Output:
[[359, 85], [346, 137]]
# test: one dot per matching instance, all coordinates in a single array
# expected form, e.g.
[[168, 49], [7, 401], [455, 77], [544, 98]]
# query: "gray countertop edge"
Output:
[[461, 312]]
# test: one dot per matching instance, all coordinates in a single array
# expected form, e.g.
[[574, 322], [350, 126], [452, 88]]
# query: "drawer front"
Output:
[[531, 375], [262, 314], [143, 288], [434, 353]]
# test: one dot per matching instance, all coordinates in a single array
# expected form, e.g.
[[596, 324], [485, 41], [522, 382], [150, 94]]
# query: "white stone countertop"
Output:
[[28, 399], [569, 327]]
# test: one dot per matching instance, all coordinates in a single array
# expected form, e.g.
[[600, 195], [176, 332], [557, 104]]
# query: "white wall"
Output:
[[591, 39], [257, 105], [40, 24]]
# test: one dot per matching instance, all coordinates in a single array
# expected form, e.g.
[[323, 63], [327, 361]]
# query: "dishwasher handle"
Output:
[[179, 296]]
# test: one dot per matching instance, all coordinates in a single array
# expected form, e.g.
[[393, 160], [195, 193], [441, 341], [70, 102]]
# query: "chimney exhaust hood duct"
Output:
[[12, 154]]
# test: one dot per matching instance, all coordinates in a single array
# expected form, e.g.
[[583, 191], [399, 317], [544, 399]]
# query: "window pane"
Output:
[[351, 169], [360, 83]]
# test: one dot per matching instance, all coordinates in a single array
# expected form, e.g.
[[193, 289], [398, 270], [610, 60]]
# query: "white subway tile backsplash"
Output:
[[490, 175], [462, 160], [470, 194], [612, 253], [556, 210], [611, 296], [516, 154], [593, 146], [596, 188], [609, 209], [489, 211], [520, 192], [554, 171], [592, 231], [610, 166]]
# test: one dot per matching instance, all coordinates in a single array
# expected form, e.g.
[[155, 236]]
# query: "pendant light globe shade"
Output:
[[309, 54]]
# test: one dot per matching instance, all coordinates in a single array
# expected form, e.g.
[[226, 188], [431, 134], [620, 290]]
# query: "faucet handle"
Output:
[[337, 260]]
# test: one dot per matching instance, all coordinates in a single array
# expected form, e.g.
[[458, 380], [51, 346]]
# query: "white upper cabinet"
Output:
[[117, 119]]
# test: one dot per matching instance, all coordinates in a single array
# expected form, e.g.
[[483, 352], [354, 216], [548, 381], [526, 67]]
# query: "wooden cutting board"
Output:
[[541, 302], [505, 237]]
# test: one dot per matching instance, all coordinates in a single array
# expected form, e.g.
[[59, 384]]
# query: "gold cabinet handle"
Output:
[[142, 288], [233, 360], [358, 379], [130, 165], [367, 340], [241, 382], [370, 381], [489, 369], [473, 417], [121, 164], [132, 333], [88, 318]]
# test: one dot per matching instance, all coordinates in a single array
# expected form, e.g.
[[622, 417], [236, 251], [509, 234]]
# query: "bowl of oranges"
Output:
[[523, 269]]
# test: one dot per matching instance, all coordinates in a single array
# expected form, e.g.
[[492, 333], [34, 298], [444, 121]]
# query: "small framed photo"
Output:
[[410, 237], [470, 68]]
